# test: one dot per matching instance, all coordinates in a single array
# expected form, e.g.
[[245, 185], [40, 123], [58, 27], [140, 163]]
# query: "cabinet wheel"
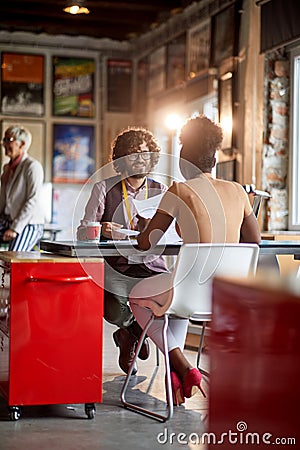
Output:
[[90, 410], [14, 413]]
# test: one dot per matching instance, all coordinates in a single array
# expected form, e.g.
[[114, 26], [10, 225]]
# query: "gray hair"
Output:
[[20, 134]]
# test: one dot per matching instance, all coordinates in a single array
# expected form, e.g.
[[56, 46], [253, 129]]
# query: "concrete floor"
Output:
[[66, 426]]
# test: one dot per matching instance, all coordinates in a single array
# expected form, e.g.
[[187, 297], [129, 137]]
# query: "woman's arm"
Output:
[[250, 230], [157, 226]]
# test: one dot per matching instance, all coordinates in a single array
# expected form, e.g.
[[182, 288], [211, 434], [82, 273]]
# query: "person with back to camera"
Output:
[[21, 212], [135, 152], [206, 210]]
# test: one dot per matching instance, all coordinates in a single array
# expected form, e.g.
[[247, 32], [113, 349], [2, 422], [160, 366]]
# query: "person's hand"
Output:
[[110, 230], [9, 235], [142, 223]]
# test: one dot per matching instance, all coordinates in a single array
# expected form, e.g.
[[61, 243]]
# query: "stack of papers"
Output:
[[147, 208]]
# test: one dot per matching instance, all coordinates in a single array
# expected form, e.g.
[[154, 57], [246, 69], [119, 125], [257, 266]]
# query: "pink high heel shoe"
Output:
[[192, 382], [177, 390]]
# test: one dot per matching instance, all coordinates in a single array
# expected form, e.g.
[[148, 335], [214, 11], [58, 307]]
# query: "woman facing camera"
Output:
[[21, 211]]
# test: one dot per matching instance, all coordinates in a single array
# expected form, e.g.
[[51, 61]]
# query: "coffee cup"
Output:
[[93, 231]]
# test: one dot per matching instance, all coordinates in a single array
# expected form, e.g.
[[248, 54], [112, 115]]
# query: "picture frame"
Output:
[[223, 35], [73, 153], [226, 170], [119, 85], [176, 60], [73, 87], [225, 100], [22, 84], [198, 49], [157, 71], [37, 147], [142, 86]]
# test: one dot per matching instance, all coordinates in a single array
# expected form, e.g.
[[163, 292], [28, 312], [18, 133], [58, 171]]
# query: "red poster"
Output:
[[22, 84]]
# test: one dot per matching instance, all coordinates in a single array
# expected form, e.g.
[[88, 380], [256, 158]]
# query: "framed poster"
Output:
[[223, 35], [22, 84], [73, 153], [226, 170], [119, 85], [73, 87], [198, 49], [226, 110], [142, 86], [176, 57], [37, 147], [157, 71]]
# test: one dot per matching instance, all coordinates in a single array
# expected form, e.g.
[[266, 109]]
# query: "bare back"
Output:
[[207, 210]]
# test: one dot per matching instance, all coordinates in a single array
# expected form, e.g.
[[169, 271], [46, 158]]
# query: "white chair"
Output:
[[195, 268], [269, 261]]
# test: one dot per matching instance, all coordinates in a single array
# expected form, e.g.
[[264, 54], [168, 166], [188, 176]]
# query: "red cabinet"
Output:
[[51, 319], [255, 364]]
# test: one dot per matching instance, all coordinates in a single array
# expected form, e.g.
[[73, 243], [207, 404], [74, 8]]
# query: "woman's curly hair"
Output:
[[129, 141], [200, 138]]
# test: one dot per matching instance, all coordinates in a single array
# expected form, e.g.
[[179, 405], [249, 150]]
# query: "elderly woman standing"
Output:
[[21, 213]]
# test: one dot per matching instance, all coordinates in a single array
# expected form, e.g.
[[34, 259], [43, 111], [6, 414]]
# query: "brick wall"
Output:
[[276, 134]]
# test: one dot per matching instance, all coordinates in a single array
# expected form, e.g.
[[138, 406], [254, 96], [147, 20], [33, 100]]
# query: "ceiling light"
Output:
[[76, 7]]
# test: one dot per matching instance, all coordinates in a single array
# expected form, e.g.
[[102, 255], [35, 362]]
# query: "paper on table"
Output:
[[171, 236], [147, 208], [119, 242], [128, 232]]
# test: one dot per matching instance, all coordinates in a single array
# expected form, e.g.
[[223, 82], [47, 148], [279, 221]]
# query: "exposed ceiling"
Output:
[[117, 20]]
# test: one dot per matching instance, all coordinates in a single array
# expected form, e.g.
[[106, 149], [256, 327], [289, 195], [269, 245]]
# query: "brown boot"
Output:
[[127, 344], [135, 330]]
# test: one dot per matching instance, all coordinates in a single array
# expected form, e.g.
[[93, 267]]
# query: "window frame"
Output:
[[294, 166]]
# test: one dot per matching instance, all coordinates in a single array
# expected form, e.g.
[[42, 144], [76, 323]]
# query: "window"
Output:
[[295, 141]]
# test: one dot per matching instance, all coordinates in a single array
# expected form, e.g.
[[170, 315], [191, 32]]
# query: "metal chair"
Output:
[[259, 196], [195, 268]]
